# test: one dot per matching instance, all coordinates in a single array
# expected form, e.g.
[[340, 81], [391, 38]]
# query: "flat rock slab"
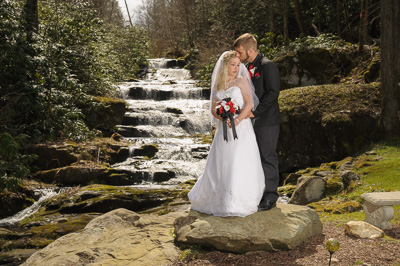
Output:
[[119, 237], [282, 228], [383, 198]]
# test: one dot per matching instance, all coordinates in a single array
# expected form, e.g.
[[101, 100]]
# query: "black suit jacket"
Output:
[[267, 83]]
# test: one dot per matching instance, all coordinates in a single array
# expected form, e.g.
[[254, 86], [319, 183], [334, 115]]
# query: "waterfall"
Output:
[[44, 194], [165, 109]]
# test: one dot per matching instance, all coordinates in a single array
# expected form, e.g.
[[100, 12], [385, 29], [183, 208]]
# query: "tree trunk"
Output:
[[286, 21], [299, 18], [338, 18], [363, 36], [271, 16], [31, 17], [390, 38], [129, 16]]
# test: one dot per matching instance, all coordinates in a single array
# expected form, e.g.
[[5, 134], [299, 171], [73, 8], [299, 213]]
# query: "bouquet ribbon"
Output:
[[225, 129]]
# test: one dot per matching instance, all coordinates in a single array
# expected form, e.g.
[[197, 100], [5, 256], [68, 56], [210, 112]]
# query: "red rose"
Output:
[[257, 74]]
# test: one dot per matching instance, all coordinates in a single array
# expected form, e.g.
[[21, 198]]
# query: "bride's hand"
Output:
[[250, 115]]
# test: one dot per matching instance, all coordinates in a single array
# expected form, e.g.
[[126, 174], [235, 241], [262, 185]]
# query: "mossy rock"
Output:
[[348, 207], [291, 179], [148, 151], [286, 190], [346, 163], [334, 185], [103, 198], [108, 113], [326, 205], [325, 123], [63, 226]]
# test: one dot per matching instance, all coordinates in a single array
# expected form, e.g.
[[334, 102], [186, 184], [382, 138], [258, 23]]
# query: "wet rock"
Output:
[[52, 156], [362, 229], [174, 110], [104, 198], [282, 228], [71, 175], [120, 155], [119, 237], [308, 189], [131, 131], [13, 202], [162, 176], [146, 150], [16, 256], [137, 93], [76, 175]]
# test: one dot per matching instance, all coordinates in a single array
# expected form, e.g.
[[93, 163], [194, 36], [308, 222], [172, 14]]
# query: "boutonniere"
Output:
[[252, 71], [257, 74]]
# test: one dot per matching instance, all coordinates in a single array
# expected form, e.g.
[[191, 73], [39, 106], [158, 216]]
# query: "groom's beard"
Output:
[[245, 60]]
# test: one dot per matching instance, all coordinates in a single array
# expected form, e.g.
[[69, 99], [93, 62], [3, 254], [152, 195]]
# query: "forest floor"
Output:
[[381, 174], [352, 251]]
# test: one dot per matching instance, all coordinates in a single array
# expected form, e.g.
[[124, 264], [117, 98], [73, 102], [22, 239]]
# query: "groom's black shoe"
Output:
[[266, 205]]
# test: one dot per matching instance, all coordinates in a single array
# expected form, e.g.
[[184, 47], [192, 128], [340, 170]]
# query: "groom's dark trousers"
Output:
[[267, 121], [267, 139]]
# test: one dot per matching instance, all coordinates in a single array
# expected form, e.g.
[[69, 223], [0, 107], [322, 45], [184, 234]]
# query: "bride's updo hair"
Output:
[[221, 85]]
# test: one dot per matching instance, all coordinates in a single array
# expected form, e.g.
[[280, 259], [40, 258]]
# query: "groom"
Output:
[[265, 77]]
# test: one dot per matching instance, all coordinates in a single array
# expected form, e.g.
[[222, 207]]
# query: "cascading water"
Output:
[[165, 109], [43, 194]]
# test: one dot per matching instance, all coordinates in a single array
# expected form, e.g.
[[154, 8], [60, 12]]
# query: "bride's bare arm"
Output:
[[248, 99]]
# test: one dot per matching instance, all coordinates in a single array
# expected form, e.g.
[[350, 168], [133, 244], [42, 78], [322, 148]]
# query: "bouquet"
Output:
[[226, 108]]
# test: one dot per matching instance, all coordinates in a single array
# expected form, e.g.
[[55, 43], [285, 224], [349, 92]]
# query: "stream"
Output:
[[166, 109]]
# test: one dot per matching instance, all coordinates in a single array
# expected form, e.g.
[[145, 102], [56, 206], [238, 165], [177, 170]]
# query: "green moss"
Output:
[[348, 207], [334, 185], [55, 230], [330, 102]]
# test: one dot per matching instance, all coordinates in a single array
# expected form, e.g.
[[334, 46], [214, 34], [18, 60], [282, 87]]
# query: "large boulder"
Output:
[[326, 123], [120, 237], [282, 228], [308, 189]]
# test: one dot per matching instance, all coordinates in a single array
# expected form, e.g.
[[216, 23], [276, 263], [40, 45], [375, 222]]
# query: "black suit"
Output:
[[266, 81]]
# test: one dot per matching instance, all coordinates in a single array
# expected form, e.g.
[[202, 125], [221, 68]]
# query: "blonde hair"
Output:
[[223, 75], [247, 41]]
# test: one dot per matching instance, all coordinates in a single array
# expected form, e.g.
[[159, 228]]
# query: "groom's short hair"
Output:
[[247, 41]]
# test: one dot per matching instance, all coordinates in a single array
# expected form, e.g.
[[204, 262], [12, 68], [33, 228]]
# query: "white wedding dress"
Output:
[[232, 183]]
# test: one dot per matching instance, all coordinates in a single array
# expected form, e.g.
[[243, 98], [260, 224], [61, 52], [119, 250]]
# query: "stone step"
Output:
[[163, 93]]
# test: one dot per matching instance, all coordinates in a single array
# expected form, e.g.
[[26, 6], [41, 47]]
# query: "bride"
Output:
[[232, 183]]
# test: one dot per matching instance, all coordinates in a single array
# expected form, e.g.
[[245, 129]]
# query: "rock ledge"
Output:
[[282, 228]]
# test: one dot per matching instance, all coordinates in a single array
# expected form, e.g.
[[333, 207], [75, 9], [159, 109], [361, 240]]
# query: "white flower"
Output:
[[218, 106], [226, 107], [252, 71], [235, 106], [223, 103]]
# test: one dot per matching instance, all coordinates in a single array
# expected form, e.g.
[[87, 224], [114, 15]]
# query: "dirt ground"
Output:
[[352, 251]]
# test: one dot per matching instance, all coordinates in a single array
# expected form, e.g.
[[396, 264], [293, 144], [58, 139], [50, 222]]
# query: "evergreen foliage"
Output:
[[48, 74]]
